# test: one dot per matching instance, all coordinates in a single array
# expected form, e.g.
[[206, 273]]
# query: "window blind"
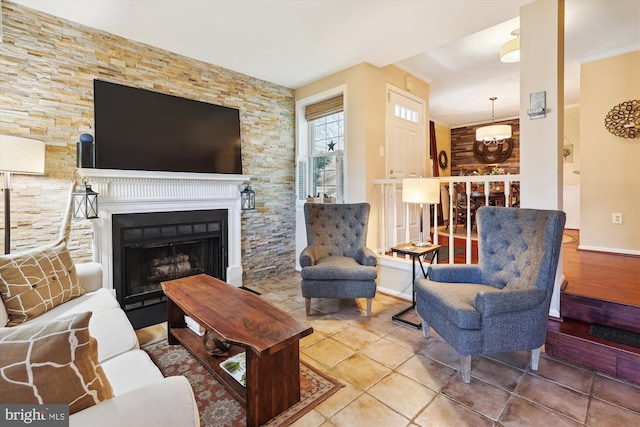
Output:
[[324, 108]]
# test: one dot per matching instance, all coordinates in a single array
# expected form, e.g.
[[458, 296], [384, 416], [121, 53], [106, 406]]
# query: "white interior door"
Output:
[[406, 157]]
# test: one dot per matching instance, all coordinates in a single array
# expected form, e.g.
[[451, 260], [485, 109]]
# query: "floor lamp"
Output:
[[18, 156], [423, 191]]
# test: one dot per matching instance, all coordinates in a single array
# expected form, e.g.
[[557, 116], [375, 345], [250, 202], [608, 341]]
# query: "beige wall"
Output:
[[46, 92], [610, 165], [365, 111]]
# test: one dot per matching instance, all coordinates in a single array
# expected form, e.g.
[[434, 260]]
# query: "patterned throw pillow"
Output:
[[36, 281], [54, 362]]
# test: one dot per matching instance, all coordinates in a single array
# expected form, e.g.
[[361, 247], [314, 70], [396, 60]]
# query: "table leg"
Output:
[[175, 319], [273, 383], [398, 316]]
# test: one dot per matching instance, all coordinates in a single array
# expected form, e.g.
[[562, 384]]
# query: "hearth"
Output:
[[149, 248]]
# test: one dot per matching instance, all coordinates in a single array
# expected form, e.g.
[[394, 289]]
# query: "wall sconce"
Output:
[[85, 202], [247, 198]]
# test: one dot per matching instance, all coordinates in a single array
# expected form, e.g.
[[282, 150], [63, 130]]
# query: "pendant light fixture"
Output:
[[494, 134], [510, 51]]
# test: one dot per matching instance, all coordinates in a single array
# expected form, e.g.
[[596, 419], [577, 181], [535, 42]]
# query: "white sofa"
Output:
[[142, 396]]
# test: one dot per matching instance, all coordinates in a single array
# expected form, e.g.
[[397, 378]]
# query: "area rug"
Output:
[[216, 406]]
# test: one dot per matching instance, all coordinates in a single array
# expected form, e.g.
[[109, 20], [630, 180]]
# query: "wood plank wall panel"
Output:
[[46, 92], [463, 162]]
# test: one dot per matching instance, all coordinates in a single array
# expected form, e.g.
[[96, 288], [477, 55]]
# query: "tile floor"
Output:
[[393, 376]]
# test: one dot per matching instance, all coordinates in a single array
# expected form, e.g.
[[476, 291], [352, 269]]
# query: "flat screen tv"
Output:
[[137, 129]]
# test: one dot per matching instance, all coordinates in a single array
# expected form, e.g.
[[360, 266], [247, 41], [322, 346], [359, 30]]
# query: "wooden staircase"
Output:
[[569, 339]]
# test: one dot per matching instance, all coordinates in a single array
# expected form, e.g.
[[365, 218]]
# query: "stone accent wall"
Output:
[[462, 158], [46, 92]]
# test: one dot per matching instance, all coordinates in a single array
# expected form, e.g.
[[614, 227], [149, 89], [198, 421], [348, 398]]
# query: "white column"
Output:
[[541, 140]]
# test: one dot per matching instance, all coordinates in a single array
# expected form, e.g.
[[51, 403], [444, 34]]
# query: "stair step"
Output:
[[592, 310], [571, 341]]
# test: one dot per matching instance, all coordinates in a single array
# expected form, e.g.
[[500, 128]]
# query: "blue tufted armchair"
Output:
[[502, 303], [336, 263]]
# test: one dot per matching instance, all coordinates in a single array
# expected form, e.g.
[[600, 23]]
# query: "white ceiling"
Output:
[[452, 44]]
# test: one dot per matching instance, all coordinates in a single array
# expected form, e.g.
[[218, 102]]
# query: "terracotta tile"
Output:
[[604, 414], [444, 412], [327, 324], [617, 392], [311, 339], [439, 350], [568, 375], [478, 395], [497, 373], [328, 352], [360, 371], [339, 400], [427, 372], [355, 338], [380, 325], [366, 411], [409, 338], [388, 353], [402, 394], [523, 413], [311, 419], [518, 359], [554, 396]]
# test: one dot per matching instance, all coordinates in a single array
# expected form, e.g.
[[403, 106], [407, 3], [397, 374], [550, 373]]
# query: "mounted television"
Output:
[[137, 129]]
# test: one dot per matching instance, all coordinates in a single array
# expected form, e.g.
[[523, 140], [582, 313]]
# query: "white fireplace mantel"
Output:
[[127, 191]]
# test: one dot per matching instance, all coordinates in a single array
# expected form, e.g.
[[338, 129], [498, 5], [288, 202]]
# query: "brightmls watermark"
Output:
[[34, 415]]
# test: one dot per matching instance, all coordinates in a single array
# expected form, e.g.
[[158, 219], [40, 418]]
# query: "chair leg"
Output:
[[369, 301], [307, 305], [465, 364], [426, 331], [535, 358]]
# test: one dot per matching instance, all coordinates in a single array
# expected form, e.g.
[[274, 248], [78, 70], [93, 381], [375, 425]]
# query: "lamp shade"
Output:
[[21, 155], [510, 51], [493, 133], [421, 190]]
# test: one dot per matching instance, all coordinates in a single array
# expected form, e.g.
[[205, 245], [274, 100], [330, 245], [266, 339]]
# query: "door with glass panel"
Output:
[[405, 158]]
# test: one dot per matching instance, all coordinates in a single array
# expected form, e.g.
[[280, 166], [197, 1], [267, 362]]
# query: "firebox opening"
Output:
[[155, 247]]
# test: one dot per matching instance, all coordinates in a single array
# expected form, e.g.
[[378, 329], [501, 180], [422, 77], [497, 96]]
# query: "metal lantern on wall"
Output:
[[85, 202], [247, 198]]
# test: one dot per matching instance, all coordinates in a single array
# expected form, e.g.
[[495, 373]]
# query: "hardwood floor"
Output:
[[600, 275]]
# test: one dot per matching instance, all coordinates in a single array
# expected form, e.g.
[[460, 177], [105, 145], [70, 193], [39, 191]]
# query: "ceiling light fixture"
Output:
[[510, 51], [493, 134]]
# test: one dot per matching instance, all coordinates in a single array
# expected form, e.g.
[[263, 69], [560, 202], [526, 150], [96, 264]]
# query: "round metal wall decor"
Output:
[[624, 119]]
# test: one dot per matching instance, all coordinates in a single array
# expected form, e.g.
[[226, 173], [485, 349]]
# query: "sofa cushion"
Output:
[[35, 281], [131, 370], [53, 362], [114, 333]]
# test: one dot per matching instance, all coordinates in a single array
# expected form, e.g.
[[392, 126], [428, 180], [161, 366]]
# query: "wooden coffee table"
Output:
[[269, 337]]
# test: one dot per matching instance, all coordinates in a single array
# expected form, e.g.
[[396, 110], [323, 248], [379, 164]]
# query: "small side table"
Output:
[[416, 253]]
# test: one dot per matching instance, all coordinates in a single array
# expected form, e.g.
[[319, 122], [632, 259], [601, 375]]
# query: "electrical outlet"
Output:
[[616, 218]]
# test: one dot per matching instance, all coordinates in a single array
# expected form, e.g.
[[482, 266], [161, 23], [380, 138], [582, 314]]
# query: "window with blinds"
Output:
[[321, 161]]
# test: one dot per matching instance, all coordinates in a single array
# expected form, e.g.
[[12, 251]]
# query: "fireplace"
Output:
[[149, 248], [164, 194]]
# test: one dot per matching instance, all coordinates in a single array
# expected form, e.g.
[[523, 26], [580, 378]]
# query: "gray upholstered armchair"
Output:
[[502, 303], [336, 263]]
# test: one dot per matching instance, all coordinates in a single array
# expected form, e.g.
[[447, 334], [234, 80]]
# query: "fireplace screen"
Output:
[[150, 248]]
